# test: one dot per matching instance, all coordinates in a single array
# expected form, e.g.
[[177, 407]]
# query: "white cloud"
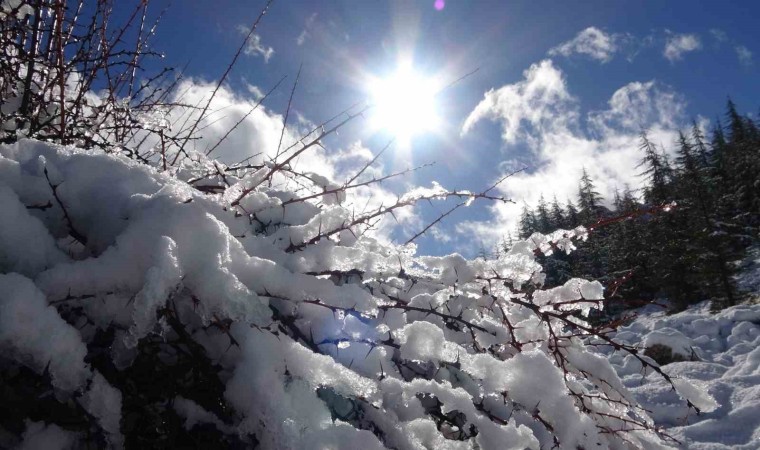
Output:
[[744, 54], [538, 102], [255, 91], [254, 47], [258, 133], [306, 32], [592, 42], [678, 44], [605, 142], [635, 106]]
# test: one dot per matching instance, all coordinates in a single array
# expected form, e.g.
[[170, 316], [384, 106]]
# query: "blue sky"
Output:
[[559, 86]]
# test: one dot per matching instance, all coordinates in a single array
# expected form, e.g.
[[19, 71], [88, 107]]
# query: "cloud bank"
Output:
[[540, 112]]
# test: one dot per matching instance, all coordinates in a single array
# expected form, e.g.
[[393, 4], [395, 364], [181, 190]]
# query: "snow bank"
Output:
[[724, 383]]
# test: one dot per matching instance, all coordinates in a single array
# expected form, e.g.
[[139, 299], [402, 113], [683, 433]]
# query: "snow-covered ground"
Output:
[[721, 355]]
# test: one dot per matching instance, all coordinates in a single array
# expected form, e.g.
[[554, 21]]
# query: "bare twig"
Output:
[[287, 112], [224, 75]]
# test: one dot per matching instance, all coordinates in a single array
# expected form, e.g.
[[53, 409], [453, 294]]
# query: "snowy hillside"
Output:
[[719, 353], [726, 352]]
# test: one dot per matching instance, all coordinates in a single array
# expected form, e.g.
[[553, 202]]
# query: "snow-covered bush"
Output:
[[70, 74], [160, 298], [147, 305]]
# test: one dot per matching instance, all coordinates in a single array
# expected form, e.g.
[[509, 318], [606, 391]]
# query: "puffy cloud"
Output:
[[259, 133], [254, 47], [591, 42], [604, 142], [744, 55], [636, 105], [678, 44], [533, 104]]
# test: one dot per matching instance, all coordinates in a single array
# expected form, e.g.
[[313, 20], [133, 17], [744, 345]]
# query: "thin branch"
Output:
[[229, 131], [82, 239], [224, 76], [287, 112]]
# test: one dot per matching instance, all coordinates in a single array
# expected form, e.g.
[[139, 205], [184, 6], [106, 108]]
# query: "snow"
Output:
[[724, 383], [422, 341], [35, 334], [41, 436], [671, 338], [26, 246], [194, 414], [337, 341], [15, 6], [103, 401]]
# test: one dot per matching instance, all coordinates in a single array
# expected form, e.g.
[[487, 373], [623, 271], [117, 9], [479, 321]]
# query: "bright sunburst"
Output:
[[405, 104]]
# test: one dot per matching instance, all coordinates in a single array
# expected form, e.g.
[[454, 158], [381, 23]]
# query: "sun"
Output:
[[404, 104]]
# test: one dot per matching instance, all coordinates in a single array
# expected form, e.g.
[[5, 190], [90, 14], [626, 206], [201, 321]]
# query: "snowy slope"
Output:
[[722, 358]]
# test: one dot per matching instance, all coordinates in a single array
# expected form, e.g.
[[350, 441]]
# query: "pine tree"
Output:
[[703, 153], [655, 171], [628, 250], [589, 200], [686, 254], [705, 245], [572, 217], [591, 260], [558, 219], [543, 220], [528, 224], [670, 268], [743, 153]]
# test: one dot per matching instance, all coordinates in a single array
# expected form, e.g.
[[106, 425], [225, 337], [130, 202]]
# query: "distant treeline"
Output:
[[686, 253]]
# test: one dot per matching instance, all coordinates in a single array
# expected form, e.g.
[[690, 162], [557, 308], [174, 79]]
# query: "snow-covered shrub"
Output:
[[137, 308], [70, 74], [153, 297]]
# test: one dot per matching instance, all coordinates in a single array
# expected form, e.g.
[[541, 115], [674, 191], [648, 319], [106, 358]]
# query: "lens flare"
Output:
[[405, 104]]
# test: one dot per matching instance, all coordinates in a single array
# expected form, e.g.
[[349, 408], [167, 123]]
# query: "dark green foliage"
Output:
[[685, 254], [528, 224], [589, 201], [543, 220], [558, 218]]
